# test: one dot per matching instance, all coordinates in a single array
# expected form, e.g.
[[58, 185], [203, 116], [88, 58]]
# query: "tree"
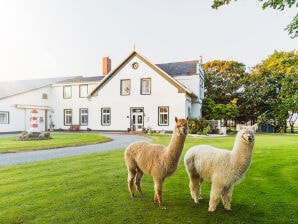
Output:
[[271, 90], [222, 88], [222, 80], [288, 100], [225, 112], [275, 4]]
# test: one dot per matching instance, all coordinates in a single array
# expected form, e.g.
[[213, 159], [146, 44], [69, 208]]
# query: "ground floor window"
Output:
[[163, 115], [67, 116], [4, 117], [84, 116], [105, 116]]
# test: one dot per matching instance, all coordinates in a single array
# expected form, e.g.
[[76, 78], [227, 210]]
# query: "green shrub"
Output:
[[198, 126]]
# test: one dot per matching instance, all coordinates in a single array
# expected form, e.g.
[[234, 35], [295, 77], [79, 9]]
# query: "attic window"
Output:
[[124, 87], [145, 86], [135, 65], [44, 96]]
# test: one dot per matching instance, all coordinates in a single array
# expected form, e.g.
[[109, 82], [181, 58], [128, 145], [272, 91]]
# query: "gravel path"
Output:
[[119, 141]]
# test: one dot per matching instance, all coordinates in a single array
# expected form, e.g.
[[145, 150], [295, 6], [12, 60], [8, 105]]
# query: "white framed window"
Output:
[[105, 116], [163, 115], [83, 90], [67, 92], [4, 117], [145, 86], [83, 116], [124, 87], [67, 117]]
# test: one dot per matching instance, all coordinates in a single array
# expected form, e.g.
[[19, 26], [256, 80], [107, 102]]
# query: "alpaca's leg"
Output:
[[216, 191], [158, 191], [227, 197], [195, 188], [130, 180], [138, 180]]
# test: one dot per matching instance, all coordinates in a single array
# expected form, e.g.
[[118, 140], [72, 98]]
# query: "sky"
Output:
[[58, 38]]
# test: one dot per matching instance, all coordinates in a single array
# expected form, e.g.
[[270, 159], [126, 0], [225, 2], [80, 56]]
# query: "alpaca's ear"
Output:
[[176, 119], [238, 127], [255, 127], [187, 118]]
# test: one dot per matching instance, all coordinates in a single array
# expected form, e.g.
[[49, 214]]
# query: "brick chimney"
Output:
[[106, 65]]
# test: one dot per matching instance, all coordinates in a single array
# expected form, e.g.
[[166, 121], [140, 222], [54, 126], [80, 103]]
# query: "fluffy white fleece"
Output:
[[222, 167]]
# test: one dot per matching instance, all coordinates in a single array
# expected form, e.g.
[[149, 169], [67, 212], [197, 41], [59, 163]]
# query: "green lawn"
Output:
[[10, 144], [93, 189]]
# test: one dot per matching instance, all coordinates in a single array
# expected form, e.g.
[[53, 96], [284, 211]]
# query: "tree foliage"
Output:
[[275, 4], [212, 110], [222, 80], [268, 93], [271, 90]]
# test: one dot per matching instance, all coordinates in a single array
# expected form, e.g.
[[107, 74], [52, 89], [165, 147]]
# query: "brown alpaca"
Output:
[[157, 160]]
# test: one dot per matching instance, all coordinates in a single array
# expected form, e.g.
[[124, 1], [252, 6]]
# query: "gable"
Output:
[[180, 88]]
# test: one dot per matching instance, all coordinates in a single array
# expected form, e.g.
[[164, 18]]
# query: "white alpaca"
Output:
[[157, 160], [223, 168]]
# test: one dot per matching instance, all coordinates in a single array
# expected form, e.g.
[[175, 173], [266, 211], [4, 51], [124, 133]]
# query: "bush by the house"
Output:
[[198, 126], [29, 136]]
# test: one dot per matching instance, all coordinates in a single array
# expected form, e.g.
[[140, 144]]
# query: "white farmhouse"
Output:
[[135, 95], [138, 94]]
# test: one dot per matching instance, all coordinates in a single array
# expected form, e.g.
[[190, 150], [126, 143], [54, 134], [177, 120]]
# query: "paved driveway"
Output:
[[119, 141]]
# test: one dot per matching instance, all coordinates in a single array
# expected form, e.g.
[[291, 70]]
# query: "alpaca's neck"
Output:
[[242, 155], [176, 145], [174, 151]]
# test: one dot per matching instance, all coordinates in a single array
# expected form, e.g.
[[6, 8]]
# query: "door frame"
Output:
[[136, 118]]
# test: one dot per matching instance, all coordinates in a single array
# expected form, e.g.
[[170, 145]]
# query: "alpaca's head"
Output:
[[181, 126], [246, 133]]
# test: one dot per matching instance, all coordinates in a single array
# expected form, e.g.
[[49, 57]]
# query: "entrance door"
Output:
[[137, 119]]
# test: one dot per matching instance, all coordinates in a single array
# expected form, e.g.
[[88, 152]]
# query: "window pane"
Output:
[[125, 87], [163, 115], [4, 117], [66, 92], [83, 116], [83, 90], [105, 116], [145, 86], [67, 117]]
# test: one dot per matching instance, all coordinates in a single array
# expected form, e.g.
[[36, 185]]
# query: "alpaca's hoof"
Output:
[[196, 200], [228, 208], [211, 209]]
